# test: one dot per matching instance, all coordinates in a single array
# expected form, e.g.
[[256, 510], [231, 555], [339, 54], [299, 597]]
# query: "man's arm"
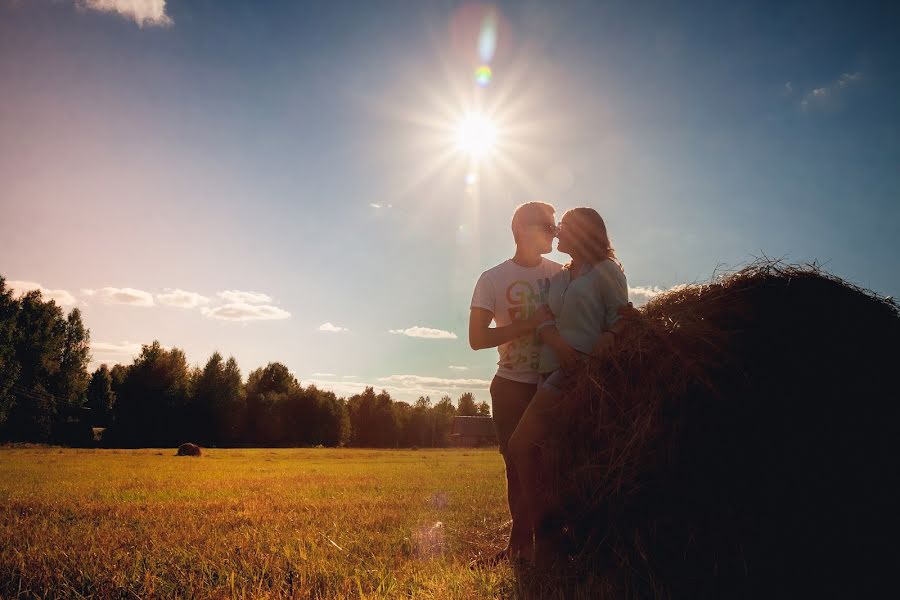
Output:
[[482, 335]]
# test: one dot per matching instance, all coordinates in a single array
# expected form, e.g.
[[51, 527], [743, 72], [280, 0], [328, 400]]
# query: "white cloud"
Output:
[[458, 368], [380, 205], [443, 382], [239, 297], [407, 387], [640, 295], [112, 353], [350, 376], [181, 298], [125, 348], [332, 328], [324, 375], [61, 297], [112, 295], [142, 12], [241, 311], [425, 332]]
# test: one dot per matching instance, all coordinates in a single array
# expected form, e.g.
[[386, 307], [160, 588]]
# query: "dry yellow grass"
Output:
[[303, 523]]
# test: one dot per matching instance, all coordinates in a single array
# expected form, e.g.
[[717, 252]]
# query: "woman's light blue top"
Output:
[[584, 308]]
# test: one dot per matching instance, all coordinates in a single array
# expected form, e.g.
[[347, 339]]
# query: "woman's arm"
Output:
[[618, 311], [565, 353]]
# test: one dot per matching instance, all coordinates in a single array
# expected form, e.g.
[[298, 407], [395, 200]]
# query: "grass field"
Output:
[[306, 523]]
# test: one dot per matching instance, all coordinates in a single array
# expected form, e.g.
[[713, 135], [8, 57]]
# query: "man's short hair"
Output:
[[531, 213]]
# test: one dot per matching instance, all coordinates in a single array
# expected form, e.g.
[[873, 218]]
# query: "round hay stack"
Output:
[[188, 449], [741, 442]]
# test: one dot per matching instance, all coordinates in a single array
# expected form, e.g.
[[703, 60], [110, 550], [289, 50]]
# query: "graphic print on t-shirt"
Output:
[[523, 302]]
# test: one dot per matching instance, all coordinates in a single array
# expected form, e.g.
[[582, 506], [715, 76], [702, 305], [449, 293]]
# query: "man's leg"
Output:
[[510, 399]]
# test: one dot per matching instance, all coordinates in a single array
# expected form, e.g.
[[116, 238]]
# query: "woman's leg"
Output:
[[524, 452]]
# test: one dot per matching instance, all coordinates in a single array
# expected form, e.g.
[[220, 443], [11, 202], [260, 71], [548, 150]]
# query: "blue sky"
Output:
[[300, 151]]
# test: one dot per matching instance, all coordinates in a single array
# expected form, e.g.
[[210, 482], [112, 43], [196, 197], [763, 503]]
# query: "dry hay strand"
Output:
[[740, 441], [188, 449]]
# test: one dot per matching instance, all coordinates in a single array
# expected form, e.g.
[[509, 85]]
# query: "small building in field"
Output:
[[473, 432]]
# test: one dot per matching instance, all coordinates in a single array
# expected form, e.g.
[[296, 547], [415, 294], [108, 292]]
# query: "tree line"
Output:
[[47, 395]]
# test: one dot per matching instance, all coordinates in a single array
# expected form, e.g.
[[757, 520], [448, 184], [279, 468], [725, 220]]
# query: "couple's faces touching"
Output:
[[540, 235]]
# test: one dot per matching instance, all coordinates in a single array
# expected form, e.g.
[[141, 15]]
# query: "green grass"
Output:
[[305, 523]]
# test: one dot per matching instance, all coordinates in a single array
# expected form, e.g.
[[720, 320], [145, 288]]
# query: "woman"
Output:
[[585, 300]]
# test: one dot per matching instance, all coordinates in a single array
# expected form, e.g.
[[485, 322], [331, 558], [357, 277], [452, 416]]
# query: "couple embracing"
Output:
[[548, 318]]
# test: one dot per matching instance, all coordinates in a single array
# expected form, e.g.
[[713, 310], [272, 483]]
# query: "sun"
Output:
[[476, 135]]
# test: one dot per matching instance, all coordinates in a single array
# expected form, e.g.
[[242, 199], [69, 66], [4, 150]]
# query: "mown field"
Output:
[[304, 523]]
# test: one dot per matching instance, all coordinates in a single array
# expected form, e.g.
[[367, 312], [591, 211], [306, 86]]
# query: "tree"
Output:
[[444, 411], [152, 408], [9, 366], [484, 409], [466, 405], [218, 402], [39, 342], [267, 389], [100, 397], [72, 377]]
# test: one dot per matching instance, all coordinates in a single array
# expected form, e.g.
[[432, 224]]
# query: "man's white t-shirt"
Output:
[[513, 293]]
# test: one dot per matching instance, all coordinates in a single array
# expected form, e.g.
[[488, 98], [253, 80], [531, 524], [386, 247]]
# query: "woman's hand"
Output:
[[604, 344], [568, 357], [628, 311]]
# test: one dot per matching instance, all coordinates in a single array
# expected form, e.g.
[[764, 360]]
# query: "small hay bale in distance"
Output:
[[742, 441], [188, 449]]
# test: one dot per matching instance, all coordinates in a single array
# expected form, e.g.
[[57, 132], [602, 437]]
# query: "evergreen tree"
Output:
[[100, 397], [484, 409], [466, 405]]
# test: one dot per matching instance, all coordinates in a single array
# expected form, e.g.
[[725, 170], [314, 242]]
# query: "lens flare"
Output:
[[483, 75], [476, 135], [487, 37]]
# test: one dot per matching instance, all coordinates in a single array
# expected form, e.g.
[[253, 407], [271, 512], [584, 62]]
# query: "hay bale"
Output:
[[742, 441], [188, 449]]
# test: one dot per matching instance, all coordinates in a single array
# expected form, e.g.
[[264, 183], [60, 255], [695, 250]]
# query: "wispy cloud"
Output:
[[458, 368], [142, 12], [181, 298], [238, 296], [329, 327], [380, 205], [125, 348], [407, 387], [821, 95], [114, 295], [324, 375], [61, 297], [241, 311], [425, 332], [443, 382]]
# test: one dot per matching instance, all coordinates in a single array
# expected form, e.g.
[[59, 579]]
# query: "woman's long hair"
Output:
[[588, 236]]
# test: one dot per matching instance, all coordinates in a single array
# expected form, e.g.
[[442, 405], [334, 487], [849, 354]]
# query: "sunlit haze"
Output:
[[322, 185]]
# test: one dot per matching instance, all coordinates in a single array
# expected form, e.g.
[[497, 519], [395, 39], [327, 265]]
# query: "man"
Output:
[[510, 295]]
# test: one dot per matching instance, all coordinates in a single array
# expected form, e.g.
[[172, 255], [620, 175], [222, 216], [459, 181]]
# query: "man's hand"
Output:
[[539, 316]]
